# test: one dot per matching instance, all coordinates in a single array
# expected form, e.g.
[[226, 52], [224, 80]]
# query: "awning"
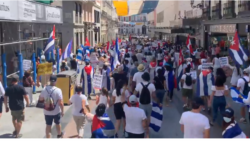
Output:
[[149, 6], [121, 7], [45, 1]]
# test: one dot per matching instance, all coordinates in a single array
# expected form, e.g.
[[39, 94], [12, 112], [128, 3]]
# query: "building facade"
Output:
[[108, 21]]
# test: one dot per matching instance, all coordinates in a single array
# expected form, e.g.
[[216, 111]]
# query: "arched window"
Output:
[[76, 8], [80, 9]]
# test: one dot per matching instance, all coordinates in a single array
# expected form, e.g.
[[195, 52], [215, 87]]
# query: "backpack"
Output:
[[127, 55], [49, 104], [145, 97], [246, 87], [188, 80]]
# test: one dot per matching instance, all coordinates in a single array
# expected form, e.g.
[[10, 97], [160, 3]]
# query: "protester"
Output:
[[242, 86], [64, 66], [28, 84], [237, 74], [80, 104], [152, 67], [138, 76], [231, 128], [219, 91], [193, 123], [105, 71], [53, 106], [15, 94], [169, 76], [119, 75], [86, 79], [187, 81], [118, 110], [103, 97], [133, 71], [73, 63], [216, 62]]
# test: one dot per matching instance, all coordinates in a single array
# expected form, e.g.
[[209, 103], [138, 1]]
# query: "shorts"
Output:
[[18, 115], [131, 135], [147, 109], [118, 110], [1, 105], [187, 93], [49, 119]]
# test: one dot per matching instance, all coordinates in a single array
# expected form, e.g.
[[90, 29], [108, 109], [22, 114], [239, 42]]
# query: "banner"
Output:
[[97, 81], [27, 11], [206, 66], [223, 61], [26, 65], [194, 74], [45, 68]]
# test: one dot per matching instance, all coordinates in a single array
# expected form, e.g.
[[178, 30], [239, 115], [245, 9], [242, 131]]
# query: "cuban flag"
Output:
[[67, 51], [51, 42], [189, 45], [103, 127], [87, 55], [205, 81], [156, 117], [107, 48], [237, 52], [232, 131], [87, 44], [79, 54], [235, 96], [180, 70], [116, 55]]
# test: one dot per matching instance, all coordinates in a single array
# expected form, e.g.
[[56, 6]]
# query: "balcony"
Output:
[[229, 9], [243, 8], [77, 18], [206, 13], [216, 11]]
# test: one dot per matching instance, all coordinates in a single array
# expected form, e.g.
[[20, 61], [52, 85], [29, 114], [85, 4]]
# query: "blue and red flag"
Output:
[[103, 127], [237, 52], [51, 42]]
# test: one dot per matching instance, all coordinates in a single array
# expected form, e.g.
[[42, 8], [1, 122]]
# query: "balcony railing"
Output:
[[216, 11], [229, 9], [243, 8]]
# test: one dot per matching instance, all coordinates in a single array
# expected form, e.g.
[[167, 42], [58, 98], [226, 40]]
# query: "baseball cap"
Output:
[[14, 78], [100, 109], [53, 78], [229, 112], [133, 99]]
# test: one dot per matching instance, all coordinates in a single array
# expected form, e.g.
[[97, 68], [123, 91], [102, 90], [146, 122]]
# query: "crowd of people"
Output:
[[141, 76]]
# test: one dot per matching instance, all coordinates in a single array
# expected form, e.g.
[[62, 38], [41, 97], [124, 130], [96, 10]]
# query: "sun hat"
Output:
[[141, 67]]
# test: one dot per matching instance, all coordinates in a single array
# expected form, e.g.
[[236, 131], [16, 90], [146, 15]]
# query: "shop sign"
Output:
[[26, 11], [53, 14], [225, 28]]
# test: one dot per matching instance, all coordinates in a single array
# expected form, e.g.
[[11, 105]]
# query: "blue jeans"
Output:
[[219, 102], [160, 95]]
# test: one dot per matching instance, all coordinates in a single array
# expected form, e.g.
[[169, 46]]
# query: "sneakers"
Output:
[[60, 136], [243, 120], [15, 135], [89, 98]]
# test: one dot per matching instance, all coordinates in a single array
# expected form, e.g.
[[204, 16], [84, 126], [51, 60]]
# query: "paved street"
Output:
[[34, 125]]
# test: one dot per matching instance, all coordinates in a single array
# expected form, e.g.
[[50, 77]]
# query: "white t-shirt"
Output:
[[219, 92], [151, 88], [76, 101], [56, 95], [139, 57], [103, 99], [200, 67], [118, 98], [134, 118], [185, 86], [241, 83], [137, 77], [194, 124]]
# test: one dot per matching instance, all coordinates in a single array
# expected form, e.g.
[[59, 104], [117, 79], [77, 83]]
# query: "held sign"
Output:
[[194, 74], [205, 66], [97, 81], [26, 65], [45, 68], [223, 61]]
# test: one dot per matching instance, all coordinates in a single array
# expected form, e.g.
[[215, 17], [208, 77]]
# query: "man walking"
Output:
[[53, 106], [16, 93]]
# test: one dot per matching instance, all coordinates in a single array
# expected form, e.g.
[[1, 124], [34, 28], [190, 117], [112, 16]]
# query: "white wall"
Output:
[[186, 6], [169, 8]]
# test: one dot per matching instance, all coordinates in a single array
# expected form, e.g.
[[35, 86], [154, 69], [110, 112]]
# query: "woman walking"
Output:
[[27, 84], [80, 105], [152, 67], [103, 97]]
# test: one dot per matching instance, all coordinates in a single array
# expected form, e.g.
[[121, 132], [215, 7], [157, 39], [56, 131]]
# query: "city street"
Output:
[[34, 124]]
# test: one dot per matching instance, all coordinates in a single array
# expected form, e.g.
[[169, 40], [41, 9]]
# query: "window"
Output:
[[77, 41], [96, 17], [80, 9], [76, 5], [243, 5]]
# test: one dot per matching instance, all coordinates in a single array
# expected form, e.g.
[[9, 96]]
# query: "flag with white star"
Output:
[[237, 52]]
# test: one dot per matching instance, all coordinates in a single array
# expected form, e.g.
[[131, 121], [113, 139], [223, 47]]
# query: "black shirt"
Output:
[[119, 76], [73, 64], [159, 82], [15, 94]]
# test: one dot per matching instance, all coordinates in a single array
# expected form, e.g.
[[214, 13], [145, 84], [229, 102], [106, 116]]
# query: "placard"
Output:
[[194, 74], [206, 66], [177, 55], [26, 65], [97, 81], [45, 68], [223, 61]]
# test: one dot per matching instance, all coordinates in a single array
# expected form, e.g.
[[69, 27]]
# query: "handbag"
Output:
[[40, 104]]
